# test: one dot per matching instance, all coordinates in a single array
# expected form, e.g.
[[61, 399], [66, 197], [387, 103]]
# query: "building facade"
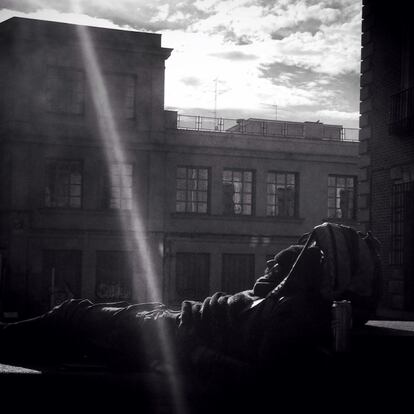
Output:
[[105, 195], [386, 183], [259, 192]]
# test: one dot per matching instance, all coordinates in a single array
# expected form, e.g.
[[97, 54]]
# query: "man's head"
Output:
[[306, 274], [284, 260], [307, 271], [276, 270]]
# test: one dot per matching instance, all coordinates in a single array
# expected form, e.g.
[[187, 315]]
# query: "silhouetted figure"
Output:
[[285, 317], [249, 328]]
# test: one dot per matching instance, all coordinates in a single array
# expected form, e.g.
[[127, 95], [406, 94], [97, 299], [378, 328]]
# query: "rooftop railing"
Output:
[[254, 126]]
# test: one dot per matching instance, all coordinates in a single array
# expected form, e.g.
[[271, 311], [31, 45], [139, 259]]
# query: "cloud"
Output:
[[311, 25], [330, 94], [53, 15], [338, 114], [303, 55], [137, 14], [281, 73], [229, 35], [235, 55], [191, 81]]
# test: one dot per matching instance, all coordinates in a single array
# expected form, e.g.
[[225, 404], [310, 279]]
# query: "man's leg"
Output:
[[46, 337], [114, 333]]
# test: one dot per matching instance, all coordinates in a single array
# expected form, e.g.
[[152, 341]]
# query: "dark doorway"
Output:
[[238, 272], [192, 276], [61, 276], [402, 237], [114, 272], [409, 244]]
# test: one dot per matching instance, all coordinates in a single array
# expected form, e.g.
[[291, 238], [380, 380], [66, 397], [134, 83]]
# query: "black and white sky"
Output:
[[297, 60]]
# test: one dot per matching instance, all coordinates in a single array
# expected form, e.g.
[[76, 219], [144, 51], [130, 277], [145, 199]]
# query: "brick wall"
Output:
[[382, 43]]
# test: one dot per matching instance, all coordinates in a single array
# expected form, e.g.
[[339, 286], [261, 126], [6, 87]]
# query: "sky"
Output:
[[292, 60]]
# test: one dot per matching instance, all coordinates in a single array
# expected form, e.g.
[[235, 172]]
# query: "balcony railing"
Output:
[[253, 126], [402, 113]]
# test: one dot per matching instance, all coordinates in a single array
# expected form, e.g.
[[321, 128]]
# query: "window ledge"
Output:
[[236, 217], [66, 210], [62, 210]]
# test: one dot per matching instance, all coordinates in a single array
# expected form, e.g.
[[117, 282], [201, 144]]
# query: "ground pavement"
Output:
[[375, 374]]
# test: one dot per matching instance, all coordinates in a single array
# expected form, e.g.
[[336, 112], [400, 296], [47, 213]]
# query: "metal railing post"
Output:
[[243, 126], [221, 124]]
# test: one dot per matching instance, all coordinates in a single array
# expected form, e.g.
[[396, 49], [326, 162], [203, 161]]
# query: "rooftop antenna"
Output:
[[215, 98], [275, 106]]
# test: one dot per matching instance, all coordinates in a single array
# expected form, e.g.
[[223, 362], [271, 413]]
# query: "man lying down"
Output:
[[287, 313]]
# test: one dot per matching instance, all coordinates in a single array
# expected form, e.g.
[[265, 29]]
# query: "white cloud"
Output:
[[54, 15], [162, 13], [232, 41], [338, 114]]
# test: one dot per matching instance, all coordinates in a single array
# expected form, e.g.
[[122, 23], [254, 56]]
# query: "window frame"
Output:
[[186, 190], [399, 206], [55, 161], [109, 187], [353, 215], [242, 192], [295, 195]]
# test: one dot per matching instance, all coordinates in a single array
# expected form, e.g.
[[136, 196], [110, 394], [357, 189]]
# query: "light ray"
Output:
[[114, 149]]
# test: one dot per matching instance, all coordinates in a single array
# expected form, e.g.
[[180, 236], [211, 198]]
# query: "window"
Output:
[[114, 272], [65, 89], [407, 55], [237, 192], [237, 272], [63, 184], [281, 194], [341, 197], [192, 186], [121, 186], [402, 220], [192, 275], [402, 103], [121, 93]]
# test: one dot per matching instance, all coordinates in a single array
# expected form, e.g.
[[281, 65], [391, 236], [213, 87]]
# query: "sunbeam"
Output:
[[114, 149]]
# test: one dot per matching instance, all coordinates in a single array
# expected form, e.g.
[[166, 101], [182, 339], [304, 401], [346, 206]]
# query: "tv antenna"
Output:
[[272, 106], [215, 98], [275, 106]]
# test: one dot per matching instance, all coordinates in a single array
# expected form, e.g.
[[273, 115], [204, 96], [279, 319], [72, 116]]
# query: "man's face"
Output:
[[270, 265], [274, 272], [277, 268]]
